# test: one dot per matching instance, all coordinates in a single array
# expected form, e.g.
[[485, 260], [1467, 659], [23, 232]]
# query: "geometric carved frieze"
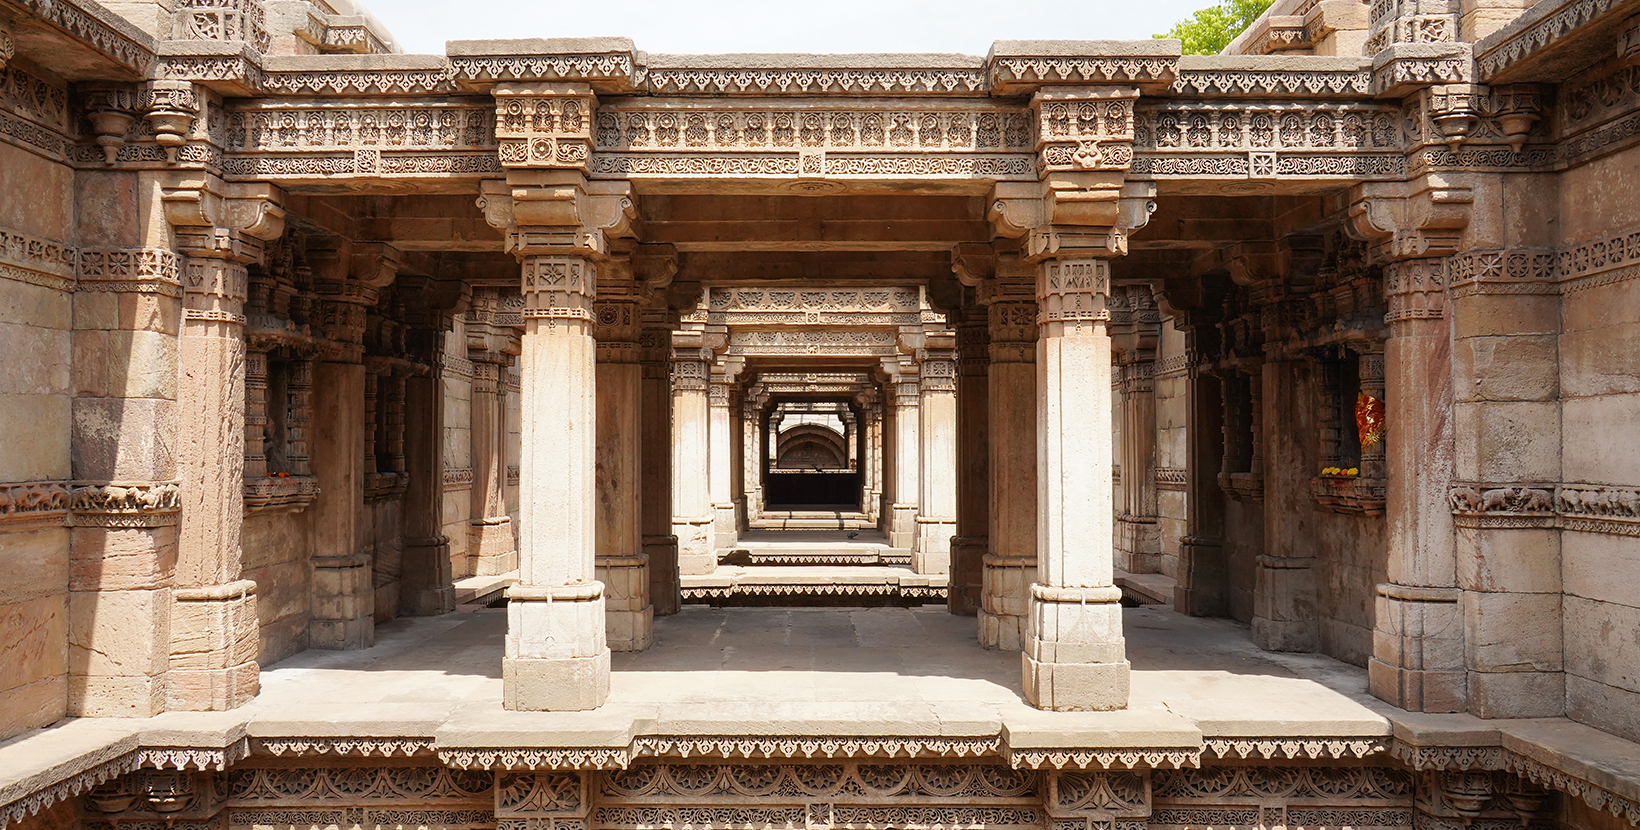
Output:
[[315, 138], [841, 795], [1282, 797], [757, 306], [1268, 139], [871, 343], [639, 140], [36, 261]]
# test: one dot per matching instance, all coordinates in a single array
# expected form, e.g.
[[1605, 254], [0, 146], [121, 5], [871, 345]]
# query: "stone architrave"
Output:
[[937, 454], [692, 520], [1075, 657], [219, 229]]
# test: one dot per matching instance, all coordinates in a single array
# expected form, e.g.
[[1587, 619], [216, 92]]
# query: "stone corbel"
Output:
[[1252, 263], [654, 266], [558, 212], [8, 44], [170, 108], [223, 220], [1090, 220], [1628, 41], [110, 108], [375, 264], [1516, 108], [1456, 109], [1411, 220], [974, 263]]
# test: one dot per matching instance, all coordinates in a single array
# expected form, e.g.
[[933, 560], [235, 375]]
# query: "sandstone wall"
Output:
[[36, 392], [278, 554], [1599, 363], [1172, 384], [458, 461]]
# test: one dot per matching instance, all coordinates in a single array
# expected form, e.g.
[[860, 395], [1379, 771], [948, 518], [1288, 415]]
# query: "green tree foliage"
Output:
[[1209, 30]]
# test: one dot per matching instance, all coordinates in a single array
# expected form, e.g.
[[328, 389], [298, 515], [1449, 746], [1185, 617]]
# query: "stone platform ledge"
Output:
[[1596, 767], [481, 590], [813, 581]]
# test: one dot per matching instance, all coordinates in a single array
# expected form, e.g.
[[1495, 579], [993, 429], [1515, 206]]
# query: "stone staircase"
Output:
[[837, 566]]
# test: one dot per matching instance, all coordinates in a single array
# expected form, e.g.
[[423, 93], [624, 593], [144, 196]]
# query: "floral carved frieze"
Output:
[[879, 342]]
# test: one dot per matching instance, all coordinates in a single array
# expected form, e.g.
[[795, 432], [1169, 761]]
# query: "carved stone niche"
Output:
[[1351, 495]]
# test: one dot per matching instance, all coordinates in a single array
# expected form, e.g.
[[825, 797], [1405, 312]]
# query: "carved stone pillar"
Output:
[[655, 355], [720, 398], [1418, 635], [1204, 577], [1011, 562], [937, 500], [427, 588], [751, 456], [622, 565], [871, 472], [692, 520], [214, 630], [902, 531], [968, 547], [491, 548], [342, 607], [1284, 605], [1075, 658], [1137, 333], [556, 655]]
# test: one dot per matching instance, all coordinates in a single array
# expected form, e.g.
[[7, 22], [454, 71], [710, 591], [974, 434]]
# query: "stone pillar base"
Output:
[[1076, 687], [428, 559], [725, 524], [933, 552], [697, 553], [967, 580], [1075, 660], [343, 603], [1284, 605], [491, 547], [214, 639], [902, 529], [1138, 544], [1005, 601], [628, 617], [1003, 632], [1201, 590], [663, 573], [557, 657], [211, 690], [1418, 650], [562, 684]]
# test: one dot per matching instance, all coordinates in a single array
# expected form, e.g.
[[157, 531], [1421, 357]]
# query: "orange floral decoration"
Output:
[[1369, 420]]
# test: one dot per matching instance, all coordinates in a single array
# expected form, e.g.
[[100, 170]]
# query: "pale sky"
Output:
[[708, 26]]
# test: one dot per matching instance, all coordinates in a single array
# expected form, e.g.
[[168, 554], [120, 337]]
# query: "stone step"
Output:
[[811, 520]]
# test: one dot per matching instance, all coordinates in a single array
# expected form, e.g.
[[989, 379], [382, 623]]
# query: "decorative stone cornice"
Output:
[[836, 746], [1244, 77], [533, 758], [1544, 29], [1121, 758], [343, 747], [1333, 748], [1404, 67], [1016, 66]]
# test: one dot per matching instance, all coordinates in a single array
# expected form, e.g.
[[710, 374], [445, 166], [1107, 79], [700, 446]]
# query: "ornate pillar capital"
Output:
[[557, 212]]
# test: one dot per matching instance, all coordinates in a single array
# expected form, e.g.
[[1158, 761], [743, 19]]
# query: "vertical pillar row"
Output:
[[1076, 657], [556, 656]]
